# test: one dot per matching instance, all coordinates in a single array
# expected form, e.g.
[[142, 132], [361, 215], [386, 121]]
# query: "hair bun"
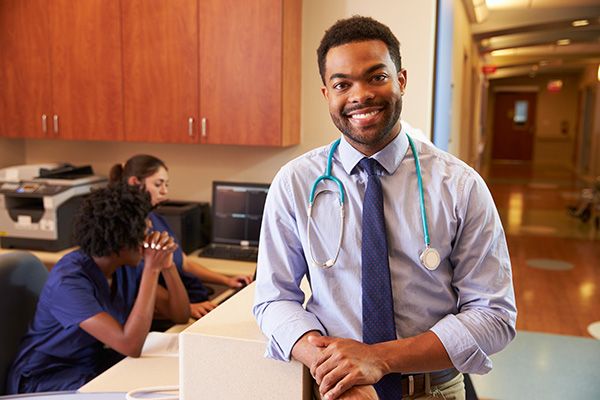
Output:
[[116, 173]]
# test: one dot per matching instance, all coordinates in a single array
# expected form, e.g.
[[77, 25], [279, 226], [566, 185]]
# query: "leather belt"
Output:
[[416, 384]]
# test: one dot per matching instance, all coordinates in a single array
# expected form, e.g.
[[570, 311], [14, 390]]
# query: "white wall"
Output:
[[194, 167]]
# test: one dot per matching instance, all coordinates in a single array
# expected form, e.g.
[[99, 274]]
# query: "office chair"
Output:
[[22, 277]]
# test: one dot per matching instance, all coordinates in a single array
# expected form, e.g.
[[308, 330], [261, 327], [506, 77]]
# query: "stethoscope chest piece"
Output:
[[430, 258]]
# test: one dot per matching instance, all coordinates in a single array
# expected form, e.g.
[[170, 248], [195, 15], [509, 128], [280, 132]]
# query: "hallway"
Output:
[[554, 256]]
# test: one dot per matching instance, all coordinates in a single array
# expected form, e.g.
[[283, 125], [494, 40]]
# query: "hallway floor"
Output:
[[556, 268], [555, 257]]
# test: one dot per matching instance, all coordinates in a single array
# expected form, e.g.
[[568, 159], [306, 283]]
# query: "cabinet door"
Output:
[[25, 94], [160, 60], [240, 71], [86, 68]]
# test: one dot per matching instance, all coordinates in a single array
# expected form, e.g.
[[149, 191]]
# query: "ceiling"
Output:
[[530, 37]]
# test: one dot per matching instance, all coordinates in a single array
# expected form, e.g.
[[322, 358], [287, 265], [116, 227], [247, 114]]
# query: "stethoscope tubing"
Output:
[[431, 265]]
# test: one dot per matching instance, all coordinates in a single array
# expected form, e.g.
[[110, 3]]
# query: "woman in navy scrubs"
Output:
[[151, 174], [94, 308]]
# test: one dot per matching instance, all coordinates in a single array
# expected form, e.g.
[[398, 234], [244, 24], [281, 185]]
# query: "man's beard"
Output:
[[341, 121]]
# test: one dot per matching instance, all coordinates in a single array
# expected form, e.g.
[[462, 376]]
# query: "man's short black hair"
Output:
[[357, 29], [112, 218]]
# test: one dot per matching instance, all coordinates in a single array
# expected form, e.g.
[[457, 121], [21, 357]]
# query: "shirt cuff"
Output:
[[464, 352], [284, 337]]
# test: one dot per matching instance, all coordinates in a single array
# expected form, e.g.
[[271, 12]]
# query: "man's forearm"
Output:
[[421, 353]]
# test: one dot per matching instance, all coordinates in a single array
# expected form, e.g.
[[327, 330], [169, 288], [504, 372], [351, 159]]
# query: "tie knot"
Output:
[[369, 165]]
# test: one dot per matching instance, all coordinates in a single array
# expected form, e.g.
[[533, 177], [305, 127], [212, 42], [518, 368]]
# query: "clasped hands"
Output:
[[346, 368], [158, 248]]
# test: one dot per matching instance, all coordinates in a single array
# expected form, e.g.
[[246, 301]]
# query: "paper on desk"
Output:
[[161, 344]]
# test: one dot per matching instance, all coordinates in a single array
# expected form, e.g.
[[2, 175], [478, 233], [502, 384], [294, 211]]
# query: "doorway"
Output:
[[514, 126]]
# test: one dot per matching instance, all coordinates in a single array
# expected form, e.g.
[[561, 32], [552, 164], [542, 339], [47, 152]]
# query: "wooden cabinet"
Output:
[[25, 89], [85, 38], [160, 65], [61, 69], [180, 71], [250, 71]]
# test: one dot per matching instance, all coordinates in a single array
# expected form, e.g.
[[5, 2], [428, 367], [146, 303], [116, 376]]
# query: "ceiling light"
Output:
[[563, 42], [502, 52], [580, 22], [598, 73], [495, 4]]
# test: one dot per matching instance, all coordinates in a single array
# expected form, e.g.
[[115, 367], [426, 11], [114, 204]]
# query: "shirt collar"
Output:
[[389, 157]]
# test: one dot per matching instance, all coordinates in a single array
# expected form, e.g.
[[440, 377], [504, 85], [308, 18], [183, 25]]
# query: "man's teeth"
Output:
[[365, 115]]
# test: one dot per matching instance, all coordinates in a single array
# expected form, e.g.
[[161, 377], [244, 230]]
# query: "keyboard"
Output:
[[230, 252]]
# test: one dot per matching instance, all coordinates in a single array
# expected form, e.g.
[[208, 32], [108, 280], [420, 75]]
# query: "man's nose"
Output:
[[361, 92]]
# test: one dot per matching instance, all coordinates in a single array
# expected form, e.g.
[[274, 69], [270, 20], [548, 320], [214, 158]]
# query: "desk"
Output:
[[221, 356], [226, 267], [133, 373]]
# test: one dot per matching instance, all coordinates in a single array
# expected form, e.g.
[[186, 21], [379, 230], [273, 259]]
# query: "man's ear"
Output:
[[325, 92], [402, 80], [133, 181]]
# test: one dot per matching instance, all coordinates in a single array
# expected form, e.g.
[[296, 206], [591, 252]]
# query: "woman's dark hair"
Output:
[[112, 218], [141, 166], [357, 29]]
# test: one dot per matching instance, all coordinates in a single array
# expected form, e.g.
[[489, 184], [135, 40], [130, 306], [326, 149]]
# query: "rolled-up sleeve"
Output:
[[278, 305], [486, 318]]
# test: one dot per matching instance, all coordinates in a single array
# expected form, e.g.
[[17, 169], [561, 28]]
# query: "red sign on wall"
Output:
[[489, 69]]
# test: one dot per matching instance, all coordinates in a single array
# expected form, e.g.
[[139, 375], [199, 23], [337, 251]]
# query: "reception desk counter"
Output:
[[221, 356]]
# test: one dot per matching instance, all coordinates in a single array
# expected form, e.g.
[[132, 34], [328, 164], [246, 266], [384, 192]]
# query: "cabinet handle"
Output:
[[191, 126], [203, 127], [55, 118], [44, 123]]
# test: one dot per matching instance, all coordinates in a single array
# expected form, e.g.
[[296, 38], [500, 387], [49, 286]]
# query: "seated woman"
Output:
[[151, 174], [93, 309]]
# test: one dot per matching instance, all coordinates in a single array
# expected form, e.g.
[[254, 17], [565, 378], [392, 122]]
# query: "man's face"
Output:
[[364, 92]]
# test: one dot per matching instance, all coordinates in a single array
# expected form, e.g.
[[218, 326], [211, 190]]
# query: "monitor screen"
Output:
[[237, 211]]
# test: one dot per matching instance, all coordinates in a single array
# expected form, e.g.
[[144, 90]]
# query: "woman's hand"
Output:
[[199, 310], [238, 281], [158, 250]]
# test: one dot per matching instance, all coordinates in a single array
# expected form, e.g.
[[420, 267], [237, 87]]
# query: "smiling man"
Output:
[[396, 311]]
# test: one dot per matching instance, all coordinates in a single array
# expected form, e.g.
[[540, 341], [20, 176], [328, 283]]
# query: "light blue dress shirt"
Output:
[[468, 301]]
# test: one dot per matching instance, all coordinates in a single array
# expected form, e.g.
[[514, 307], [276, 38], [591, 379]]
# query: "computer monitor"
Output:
[[237, 210]]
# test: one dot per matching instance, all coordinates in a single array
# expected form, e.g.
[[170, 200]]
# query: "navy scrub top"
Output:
[[56, 354], [196, 291]]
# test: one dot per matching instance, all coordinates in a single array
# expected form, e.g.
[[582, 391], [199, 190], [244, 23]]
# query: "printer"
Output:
[[38, 204]]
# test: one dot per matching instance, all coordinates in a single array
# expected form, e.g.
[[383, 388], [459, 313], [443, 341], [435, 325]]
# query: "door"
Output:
[[240, 98], [26, 96], [87, 96], [514, 126], [160, 61]]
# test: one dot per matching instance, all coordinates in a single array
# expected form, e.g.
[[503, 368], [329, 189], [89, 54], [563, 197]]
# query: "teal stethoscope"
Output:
[[430, 258]]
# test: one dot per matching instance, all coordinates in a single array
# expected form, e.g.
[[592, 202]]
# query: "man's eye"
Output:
[[340, 86], [379, 78]]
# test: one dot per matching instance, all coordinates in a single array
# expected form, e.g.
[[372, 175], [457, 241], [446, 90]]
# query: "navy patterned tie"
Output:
[[377, 301]]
